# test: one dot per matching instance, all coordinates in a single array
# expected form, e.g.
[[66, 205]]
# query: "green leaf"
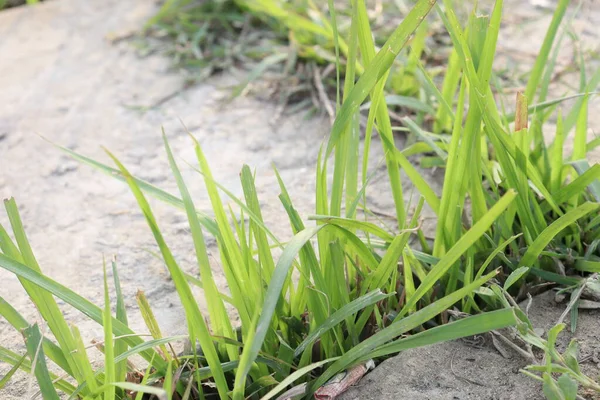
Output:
[[353, 224], [515, 276], [540, 243], [13, 359], [134, 387], [121, 315], [152, 190], [53, 352], [33, 340], [340, 315], [198, 328], [220, 322], [568, 386], [400, 326], [376, 69], [410, 103], [44, 302], [544, 52], [109, 351], [464, 243], [469, 326], [570, 355], [12, 371], [294, 376], [255, 341], [583, 168], [551, 390], [587, 266]]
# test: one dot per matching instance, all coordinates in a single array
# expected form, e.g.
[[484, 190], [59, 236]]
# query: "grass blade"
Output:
[[400, 326], [109, 350], [473, 325], [33, 340], [198, 328], [340, 315], [540, 243], [376, 69], [465, 242]]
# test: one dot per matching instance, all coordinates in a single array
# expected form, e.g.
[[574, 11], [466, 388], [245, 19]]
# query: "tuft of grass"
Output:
[[302, 50], [514, 212]]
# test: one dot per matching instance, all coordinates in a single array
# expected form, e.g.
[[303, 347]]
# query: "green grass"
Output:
[[512, 209], [293, 45], [14, 3]]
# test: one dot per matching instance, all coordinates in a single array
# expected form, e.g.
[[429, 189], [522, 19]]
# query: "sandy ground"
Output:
[[476, 370], [63, 79]]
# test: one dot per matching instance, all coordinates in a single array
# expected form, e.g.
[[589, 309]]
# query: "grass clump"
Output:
[[514, 213], [295, 45]]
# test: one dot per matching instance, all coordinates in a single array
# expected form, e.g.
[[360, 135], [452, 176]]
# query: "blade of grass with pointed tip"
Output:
[[109, 351], [220, 322], [588, 178], [33, 341], [121, 315], [400, 326], [540, 243], [485, 101], [13, 359], [193, 314], [452, 179], [145, 186], [591, 86], [380, 112], [254, 343], [44, 302], [583, 167], [543, 54], [84, 361], [469, 326], [377, 68], [52, 351], [465, 242], [234, 264], [150, 321], [75, 300], [12, 371], [264, 250], [443, 117], [340, 315]]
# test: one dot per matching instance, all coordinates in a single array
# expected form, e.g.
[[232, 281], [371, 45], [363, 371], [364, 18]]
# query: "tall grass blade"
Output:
[[197, 325], [33, 341], [109, 350], [220, 322]]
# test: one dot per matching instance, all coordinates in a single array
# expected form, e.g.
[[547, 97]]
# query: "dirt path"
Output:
[[62, 78]]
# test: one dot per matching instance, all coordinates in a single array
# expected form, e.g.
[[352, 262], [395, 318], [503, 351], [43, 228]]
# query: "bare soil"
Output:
[[65, 75]]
